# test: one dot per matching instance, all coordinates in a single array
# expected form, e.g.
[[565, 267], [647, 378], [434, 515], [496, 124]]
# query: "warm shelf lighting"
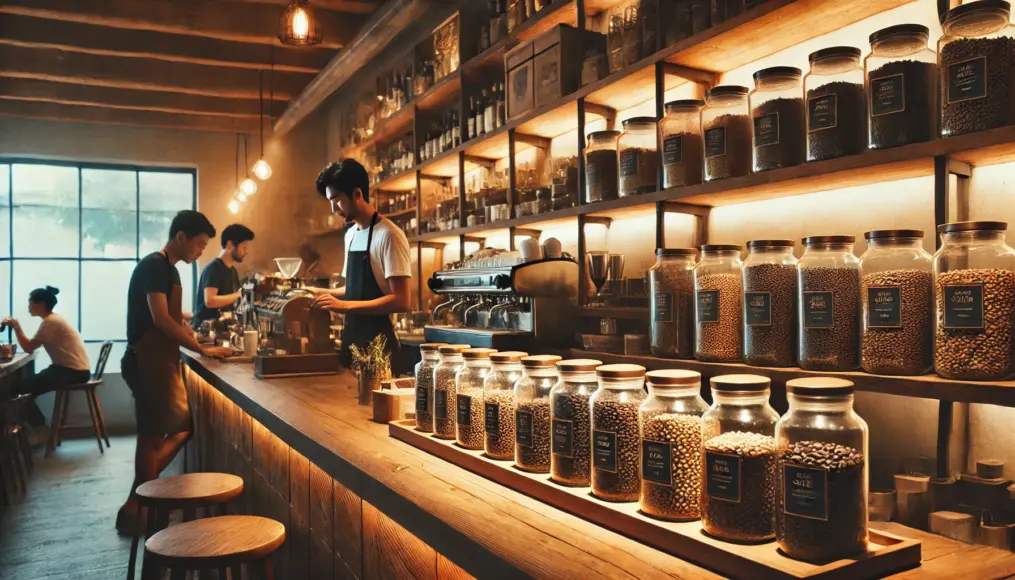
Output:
[[262, 170], [234, 206], [298, 25], [248, 186]]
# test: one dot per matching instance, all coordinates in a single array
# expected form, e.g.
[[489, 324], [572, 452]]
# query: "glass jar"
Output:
[[974, 282], [532, 412], [429, 359], [669, 422], [499, 403], [615, 437], [836, 106], [770, 289], [829, 314], [726, 132], [570, 453], [821, 472], [680, 139], [897, 298], [469, 409], [639, 157], [901, 86], [738, 460], [718, 316], [442, 404], [601, 171], [671, 301], [777, 113]]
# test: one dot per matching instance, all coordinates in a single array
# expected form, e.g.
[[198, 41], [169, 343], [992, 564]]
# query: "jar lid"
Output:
[[740, 383], [431, 346], [834, 51], [884, 33], [721, 248], [972, 226], [885, 234], [676, 252], [815, 240], [777, 71], [640, 121], [819, 387], [579, 365], [977, 6], [604, 134], [722, 90], [685, 104], [674, 377], [478, 353], [621, 371], [508, 356], [540, 360], [770, 244]]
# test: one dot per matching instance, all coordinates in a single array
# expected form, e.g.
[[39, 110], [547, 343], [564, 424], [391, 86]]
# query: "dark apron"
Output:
[[360, 285]]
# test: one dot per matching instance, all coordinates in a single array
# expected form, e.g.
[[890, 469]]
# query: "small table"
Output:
[[15, 371]]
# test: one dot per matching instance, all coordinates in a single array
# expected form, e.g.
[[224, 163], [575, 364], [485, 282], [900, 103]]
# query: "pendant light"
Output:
[[248, 186], [298, 25], [238, 197], [261, 169]]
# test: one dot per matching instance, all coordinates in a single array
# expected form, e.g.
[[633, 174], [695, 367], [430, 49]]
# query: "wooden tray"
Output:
[[886, 554]]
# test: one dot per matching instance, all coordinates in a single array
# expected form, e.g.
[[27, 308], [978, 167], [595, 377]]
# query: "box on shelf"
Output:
[[537, 71]]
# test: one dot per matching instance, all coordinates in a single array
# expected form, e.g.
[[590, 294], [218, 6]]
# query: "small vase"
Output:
[[367, 383]]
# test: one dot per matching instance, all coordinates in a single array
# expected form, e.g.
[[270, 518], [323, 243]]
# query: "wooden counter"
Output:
[[384, 492], [19, 362]]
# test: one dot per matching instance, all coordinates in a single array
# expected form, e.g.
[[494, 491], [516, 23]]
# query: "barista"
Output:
[[219, 288]]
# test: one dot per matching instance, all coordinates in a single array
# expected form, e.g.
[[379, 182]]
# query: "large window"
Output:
[[82, 228]]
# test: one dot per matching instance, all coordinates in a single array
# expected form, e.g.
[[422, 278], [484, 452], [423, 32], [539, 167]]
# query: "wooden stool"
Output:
[[187, 493], [222, 543], [15, 451], [59, 420]]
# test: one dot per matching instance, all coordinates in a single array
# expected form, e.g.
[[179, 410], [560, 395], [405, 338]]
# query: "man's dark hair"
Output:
[[343, 177], [191, 223], [45, 295], [237, 234]]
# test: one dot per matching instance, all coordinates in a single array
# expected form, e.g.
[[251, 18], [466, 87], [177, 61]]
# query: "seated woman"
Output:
[[64, 346]]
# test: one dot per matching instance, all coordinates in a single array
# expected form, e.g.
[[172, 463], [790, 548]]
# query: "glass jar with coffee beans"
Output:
[[680, 140], [532, 412], [671, 302], [670, 425], [616, 443], [829, 313], [442, 403], [778, 129], [738, 460], [570, 451], [718, 315], [726, 132], [499, 403], [821, 471], [601, 170], [638, 153], [836, 107], [897, 298], [976, 63], [469, 408], [429, 359], [770, 290], [974, 293], [901, 87]]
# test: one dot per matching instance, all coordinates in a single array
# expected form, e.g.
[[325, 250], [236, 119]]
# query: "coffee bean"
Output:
[[619, 417], [682, 432], [775, 344], [736, 161], [501, 444], [640, 175], [672, 336], [996, 107], [471, 436], [831, 348], [535, 458], [790, 147], [571, 404], [912, 110], [849, 135], [688, 170], [444, 380], [720, 341], [907, 350], [977, 354], [752, 518]]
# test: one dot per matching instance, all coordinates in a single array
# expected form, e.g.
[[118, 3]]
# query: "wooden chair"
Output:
[[60, 404], [225, 544], [15, 450]]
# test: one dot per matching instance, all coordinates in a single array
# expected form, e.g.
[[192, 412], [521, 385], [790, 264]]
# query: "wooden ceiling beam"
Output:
[[350, 6], [107, 116]]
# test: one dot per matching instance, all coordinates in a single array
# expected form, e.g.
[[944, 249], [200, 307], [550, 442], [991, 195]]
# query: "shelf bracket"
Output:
[[534, 140], [437, 178], [475, 240], [603, 111], [526, 232], [598, 219], [697, 76], [685, 208], [432, 245], [481, 161]]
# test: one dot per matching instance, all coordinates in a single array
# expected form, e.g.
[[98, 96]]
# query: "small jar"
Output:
[[671, 302], [532, 412], [829, 313], [901, 82], [974, 291], [738, 460], [499, 403], [429, 359], [777, 114], [836, 105], [442, 404], [726, 132], [680, 139], [570, 451], [615, 438], [669, 422], [601, 170], [639, 157], [469, 397], [976, 62], [718, 316], [770, 290], [821, 472], [897, 298]]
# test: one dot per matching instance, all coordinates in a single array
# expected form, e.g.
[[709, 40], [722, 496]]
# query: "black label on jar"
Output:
[[888, 95], [805, 492], [629, 162], [884, 307], [967, 80], [464, 410], [673, 150], [715, 142], [662, 307], [723, 476], [492, 417], [440, 404], [766, 130], [563, 438], [604, 454], [422, 400], [708, 305], [822, 113], [656, 458], [818, 309], [758, 308], [964, 306], [523, 428]]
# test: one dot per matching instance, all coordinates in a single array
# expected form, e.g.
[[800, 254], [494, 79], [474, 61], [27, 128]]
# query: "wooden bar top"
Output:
[[16, 364], [487, 529]]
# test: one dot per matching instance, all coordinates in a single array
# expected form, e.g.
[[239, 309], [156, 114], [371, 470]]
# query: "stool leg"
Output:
[[95, 422], [98, 413], [55, 421], [147, 569], [26, 448], [236, 572], [64, 406]]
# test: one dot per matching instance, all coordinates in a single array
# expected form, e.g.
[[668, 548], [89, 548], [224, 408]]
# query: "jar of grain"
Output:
[[777, 114], [770, 289], [836, 108], [976, 63], [499, 403], [532, 412], [429, 359], [897, 297], [738, 460], [901, 82], [669, 422], [639, 157], [718, 315], [601, 171], [821, 472], [726, 132], [570, 452], [671, 301], [974, 292], [680, 139], [829, 313], [442, 404], [615, 439], [469, 397]]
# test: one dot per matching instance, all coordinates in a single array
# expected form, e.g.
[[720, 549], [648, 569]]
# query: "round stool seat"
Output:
[[191, 489], [215, 542]]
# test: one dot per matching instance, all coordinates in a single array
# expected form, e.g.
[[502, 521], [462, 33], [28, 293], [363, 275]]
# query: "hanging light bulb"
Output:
[[242, 197], [262, 170], [248, 186], [234, 206], [298, 25]]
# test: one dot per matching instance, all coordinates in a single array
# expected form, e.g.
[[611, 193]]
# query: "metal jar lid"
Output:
[[777, 71], [817, 240], [888, 234], [620, 371], [914, 29], [721, 248], [727, 90], [676, 252], [819, 387], [478, 353], [770, 244], [972, 226], [684, 104], [508, 356], [640, 121], [540, 360], [740, 383], [604, 134], [834, 52], [673, 377], [579, 365], [431, 346], [971, 7]]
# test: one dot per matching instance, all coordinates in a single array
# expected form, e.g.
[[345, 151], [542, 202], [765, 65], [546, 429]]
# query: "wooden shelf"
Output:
[[402, 181], [442, 93], [624, 313], [401, 213]]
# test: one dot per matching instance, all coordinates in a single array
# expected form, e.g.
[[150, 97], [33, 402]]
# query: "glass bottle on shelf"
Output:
[[469, 421], [638, 153], [671, 303], [490, 116], [615, 437], [726, 133], [777, 113], [501, 106], [770, 295], [570, 449], [472, 118], [601, 166], [680, 140], [429, 359], [481, 113], [829, 290], [718, 315], [901, 83], [836, 111], [499, 403], [615, 42], [632, 34], [532, 412]]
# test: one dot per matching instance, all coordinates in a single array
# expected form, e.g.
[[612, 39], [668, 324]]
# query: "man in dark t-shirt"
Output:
[[219, 288]]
